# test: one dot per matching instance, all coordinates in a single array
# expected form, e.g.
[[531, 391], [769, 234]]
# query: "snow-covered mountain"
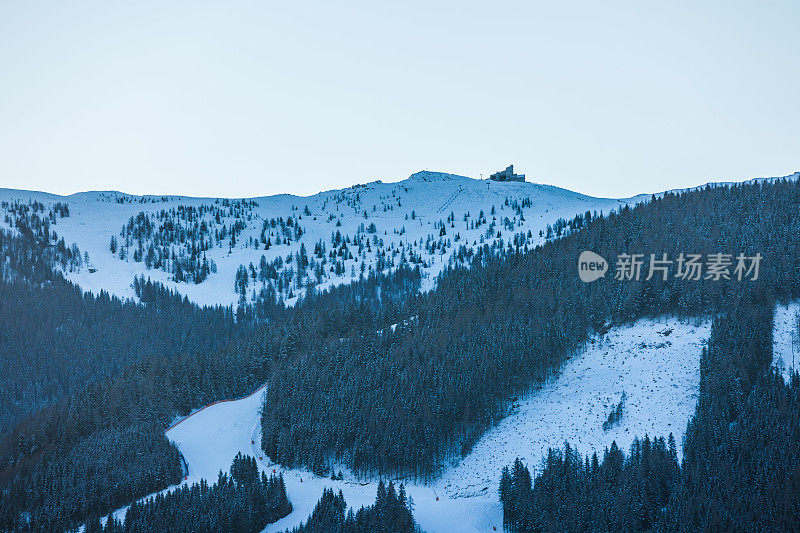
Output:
[[615, 388], [197, 245]]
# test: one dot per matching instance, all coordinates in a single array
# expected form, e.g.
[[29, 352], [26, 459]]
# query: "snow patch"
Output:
[[786, 338]]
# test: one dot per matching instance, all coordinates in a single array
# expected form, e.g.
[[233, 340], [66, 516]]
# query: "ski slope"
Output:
[[655, 361]]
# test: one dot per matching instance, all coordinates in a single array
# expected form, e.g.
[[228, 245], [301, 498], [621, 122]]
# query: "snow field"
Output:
[[656, 362]]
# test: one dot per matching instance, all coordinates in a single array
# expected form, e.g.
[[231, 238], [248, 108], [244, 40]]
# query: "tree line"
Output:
[[243, 501], [575, 493], [390, 512]]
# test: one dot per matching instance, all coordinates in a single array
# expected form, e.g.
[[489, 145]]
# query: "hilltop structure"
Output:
[[507, 175]]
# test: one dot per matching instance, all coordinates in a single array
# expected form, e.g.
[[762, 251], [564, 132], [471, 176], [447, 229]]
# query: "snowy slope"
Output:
[[786, 337], [427, 217], [655, 361], [211, 437], [407, 215]]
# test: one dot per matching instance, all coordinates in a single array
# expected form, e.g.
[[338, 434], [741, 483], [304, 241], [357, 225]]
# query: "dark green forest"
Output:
[[63, 338], [243, 501], [407, 401], [390, 512]]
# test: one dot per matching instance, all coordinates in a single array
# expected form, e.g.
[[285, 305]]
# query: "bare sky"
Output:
[[255, 98]]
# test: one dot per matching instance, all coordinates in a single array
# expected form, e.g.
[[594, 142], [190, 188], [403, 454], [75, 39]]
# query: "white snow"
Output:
[[659, 372], [786, 338], [655, 361], [432, 196]]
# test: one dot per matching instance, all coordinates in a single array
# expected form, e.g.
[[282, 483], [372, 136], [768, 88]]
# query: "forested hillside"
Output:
[[62, 338], [104, 445], [243, 500], [343, 385], [614, 492], [407, 401], [741, 457]]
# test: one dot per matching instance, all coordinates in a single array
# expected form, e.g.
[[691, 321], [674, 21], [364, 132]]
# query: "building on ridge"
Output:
[[507, 175]]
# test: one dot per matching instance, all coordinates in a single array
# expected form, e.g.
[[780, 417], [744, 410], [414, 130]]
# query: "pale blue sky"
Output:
[[255, 98]]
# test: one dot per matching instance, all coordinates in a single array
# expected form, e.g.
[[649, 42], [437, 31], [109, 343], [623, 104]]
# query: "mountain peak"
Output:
[[428, 175]]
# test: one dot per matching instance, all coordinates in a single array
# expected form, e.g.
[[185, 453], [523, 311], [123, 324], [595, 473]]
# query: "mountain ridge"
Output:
[[429, 219]]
